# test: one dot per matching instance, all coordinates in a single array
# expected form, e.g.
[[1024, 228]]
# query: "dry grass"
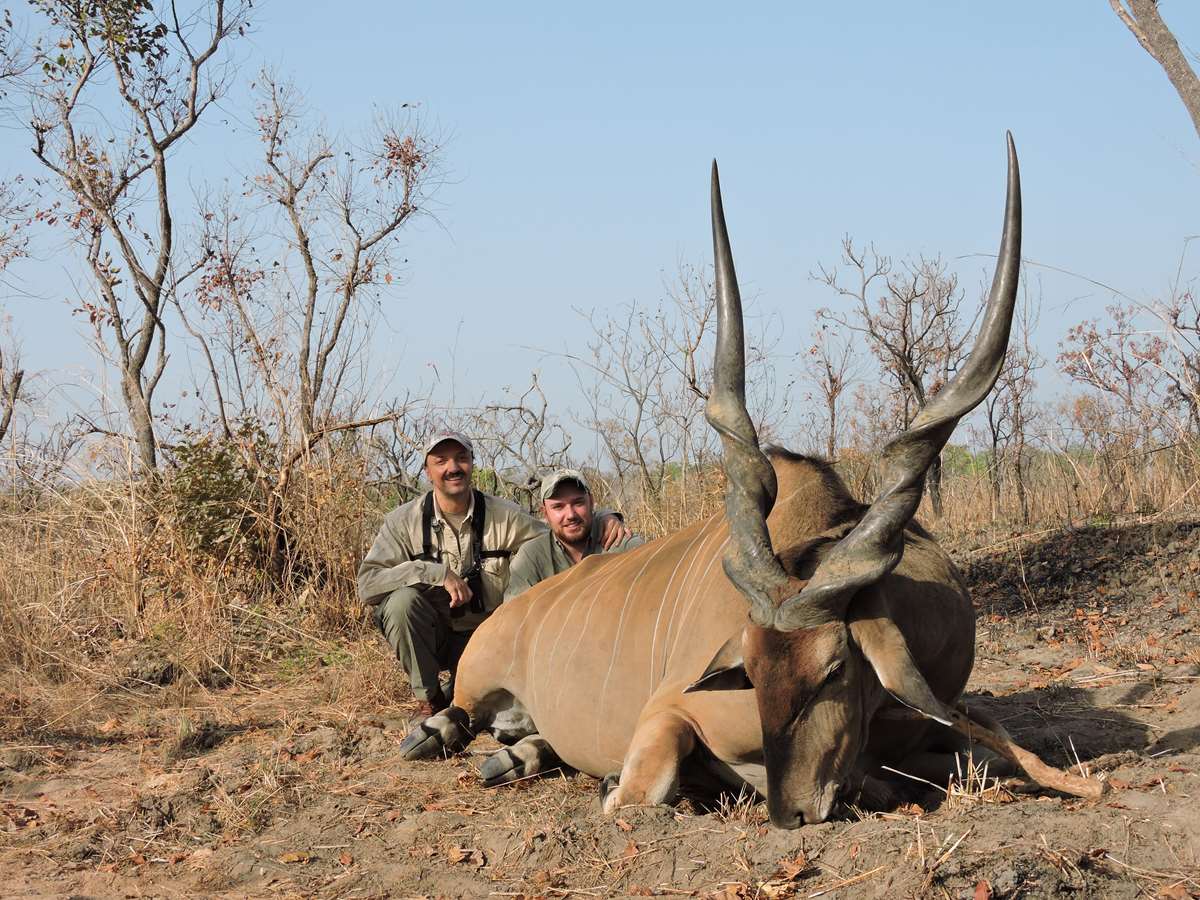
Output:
[[110, 591], [1064, 490], [120, 585], [744, 808], [296, 780], [261, 720]]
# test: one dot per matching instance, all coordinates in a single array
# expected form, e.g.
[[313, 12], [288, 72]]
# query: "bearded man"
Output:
[[575, 532]]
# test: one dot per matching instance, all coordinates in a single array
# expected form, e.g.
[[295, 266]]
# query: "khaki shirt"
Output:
[[545, 556], [392, 561]]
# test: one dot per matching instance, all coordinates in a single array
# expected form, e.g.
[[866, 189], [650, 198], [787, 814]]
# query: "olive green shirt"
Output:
[[393, 559], [545, 556]]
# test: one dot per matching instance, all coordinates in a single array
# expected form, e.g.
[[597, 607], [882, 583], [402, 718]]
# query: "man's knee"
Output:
[[403, 610]]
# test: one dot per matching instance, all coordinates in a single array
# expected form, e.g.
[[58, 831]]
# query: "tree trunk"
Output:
[[277, 541], [140, 419], [831, 442], [994, 475], [1143, 20], [935, 486], [1019, 477], [11, 390]]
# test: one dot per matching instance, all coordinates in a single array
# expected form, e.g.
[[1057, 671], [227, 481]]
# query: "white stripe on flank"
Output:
[[583, 631], [704, 552], [719, 554], [545, 665], [535, 678], [705, 555], [698, 592], [666, 593], [578, 598], [517, 639], [617, 638]]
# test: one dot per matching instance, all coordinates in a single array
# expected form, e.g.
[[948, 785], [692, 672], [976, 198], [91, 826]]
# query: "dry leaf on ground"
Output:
[[468, 855]]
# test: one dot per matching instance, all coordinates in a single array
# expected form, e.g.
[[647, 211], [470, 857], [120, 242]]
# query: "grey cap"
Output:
[[449, 436], [551, 482]]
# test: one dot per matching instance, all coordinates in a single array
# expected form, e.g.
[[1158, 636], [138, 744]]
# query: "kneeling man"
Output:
[[439, 565], [575, 532]]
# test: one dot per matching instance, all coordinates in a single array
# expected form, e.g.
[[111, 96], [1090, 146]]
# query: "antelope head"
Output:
[[819, 663]]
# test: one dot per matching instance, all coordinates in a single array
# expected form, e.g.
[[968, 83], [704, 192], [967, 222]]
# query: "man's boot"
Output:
[[426, 708]]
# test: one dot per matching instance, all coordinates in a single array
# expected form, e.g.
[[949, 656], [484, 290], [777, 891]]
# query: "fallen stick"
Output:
[[846, 882]]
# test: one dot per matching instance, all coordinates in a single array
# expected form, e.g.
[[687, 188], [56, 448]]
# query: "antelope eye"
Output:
[[835, 671]]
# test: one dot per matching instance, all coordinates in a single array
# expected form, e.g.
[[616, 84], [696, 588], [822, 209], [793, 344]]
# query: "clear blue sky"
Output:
[[580, 139]]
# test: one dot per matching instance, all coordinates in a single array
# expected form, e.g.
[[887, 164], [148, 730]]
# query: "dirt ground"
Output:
[[286, 782]]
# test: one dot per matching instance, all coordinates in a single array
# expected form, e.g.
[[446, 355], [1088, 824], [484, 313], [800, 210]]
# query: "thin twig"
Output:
[[847, 882]]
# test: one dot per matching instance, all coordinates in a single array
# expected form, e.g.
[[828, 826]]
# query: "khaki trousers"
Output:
[[418, 630]]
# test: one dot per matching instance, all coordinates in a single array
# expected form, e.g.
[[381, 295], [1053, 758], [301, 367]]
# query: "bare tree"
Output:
[[1125, 365], [1179, 315], [828, 365], [630, 373], [645, 379], [112, 184], [1125, 361], [355, 207], [1009, 409], [645, 386], [1144, 21], [912, 325], [282, 338], [11, 378], [14, 239], [870, 421], [395, 447], [14, 61], [519, 440]]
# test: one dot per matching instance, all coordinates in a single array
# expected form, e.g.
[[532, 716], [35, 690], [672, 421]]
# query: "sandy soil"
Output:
[[287, 783]]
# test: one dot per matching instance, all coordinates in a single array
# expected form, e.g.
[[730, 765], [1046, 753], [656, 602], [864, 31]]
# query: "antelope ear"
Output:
[[726, 672], [886, 650]]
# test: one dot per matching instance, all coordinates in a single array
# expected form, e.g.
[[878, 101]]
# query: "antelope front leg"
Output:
[[442, 734], [651, 771], [530, 755]]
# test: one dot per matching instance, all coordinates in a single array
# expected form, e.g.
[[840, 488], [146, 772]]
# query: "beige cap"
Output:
[[551, 482], [449, 436]]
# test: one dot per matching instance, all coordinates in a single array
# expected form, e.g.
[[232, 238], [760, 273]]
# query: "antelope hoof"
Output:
[[442, 734], [608, 792], [500, 768]]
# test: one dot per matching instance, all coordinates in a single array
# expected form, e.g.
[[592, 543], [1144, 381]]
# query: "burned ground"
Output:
[[286, 780]]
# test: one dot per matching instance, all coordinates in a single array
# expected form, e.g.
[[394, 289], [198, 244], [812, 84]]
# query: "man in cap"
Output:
[[439, 565], [575, 532]]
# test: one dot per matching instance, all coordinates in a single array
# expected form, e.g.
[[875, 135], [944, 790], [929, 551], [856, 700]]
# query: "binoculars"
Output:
[[474, 579]]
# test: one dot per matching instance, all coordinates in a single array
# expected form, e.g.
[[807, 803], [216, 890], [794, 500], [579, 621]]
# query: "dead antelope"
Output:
[[643, 666]]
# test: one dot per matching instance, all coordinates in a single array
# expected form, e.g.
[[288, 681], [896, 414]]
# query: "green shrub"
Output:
[[213, 499]]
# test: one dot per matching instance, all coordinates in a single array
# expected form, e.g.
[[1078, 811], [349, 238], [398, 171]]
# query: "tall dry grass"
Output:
[[118, 583], [1063, 490], [121, 584]]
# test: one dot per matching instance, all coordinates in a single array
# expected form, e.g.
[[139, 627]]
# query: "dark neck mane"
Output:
[[812, 499]]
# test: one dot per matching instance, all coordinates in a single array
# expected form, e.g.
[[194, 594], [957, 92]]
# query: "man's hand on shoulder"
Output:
[[615, 531]]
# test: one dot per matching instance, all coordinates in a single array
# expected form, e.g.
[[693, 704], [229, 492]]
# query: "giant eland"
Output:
[[642, 667]]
